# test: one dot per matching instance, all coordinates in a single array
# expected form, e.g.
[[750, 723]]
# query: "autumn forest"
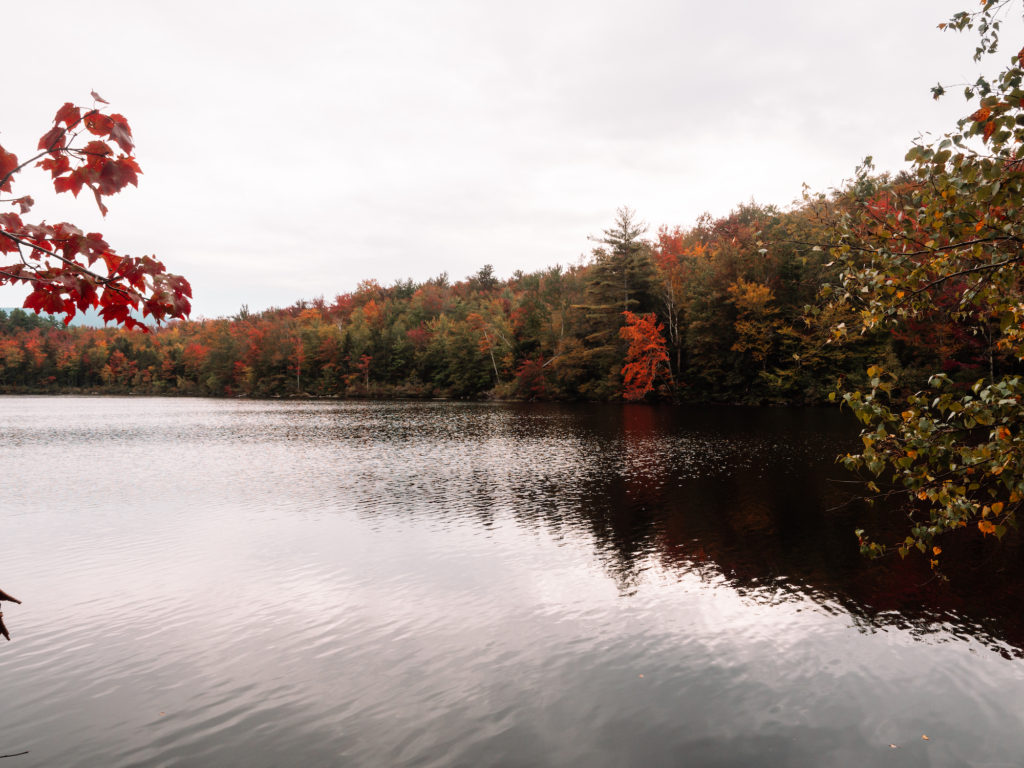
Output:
[[736, 309]]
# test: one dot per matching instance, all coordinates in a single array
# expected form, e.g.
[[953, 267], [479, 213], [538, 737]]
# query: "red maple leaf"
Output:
[[121, 133], [53, 139], [69, 114], [8, 164]]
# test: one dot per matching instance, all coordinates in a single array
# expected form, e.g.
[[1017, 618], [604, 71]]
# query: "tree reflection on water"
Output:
[[754, 496]]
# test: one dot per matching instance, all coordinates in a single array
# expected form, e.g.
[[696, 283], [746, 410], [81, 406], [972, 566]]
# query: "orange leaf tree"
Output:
[[69, 270], [647, 357]]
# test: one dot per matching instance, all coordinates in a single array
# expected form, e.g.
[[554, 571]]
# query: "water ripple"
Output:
[[239, 583]]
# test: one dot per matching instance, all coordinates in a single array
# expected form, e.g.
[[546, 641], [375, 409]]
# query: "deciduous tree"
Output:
[[68, 270], [952, 454], [647, 358]]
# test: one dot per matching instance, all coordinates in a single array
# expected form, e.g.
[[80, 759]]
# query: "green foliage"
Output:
[[934, 255], [952, 459], [734, 295]]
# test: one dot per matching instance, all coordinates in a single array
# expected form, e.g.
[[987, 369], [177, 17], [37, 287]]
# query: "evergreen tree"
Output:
[[623, 274], [620, 279]]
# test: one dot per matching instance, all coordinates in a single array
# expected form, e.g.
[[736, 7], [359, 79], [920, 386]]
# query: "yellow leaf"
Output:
[[936, 551], [997, 507]]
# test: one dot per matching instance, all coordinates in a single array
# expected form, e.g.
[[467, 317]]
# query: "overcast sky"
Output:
[[291, 150]]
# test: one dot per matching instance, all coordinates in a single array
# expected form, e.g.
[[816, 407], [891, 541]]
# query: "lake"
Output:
[[247, 583]]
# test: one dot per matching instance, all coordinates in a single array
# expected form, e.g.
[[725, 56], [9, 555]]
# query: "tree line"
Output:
[[735, 309]]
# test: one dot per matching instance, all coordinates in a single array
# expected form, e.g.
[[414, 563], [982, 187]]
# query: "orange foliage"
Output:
[[647, 357]]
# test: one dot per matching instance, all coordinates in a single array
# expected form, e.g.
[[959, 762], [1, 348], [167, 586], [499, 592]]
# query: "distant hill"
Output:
[[90, 318]]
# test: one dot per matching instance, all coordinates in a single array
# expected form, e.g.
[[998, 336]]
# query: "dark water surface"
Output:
[[215, 583]]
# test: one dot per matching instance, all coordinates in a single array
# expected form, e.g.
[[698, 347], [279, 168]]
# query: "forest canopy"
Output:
[[728, 300]]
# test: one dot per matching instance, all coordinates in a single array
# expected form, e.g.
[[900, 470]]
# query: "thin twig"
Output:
[[967, 271]]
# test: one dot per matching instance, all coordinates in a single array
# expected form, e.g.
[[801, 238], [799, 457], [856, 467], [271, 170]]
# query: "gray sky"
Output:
[[291, 150]]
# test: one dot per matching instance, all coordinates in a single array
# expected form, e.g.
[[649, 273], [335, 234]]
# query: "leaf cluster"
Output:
[[69, 270], [950, 459]]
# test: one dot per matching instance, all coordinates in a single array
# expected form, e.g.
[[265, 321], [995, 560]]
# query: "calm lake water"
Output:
[[235, 583]]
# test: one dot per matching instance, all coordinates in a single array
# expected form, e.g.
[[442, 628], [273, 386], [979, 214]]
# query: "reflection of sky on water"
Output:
[[471, 584], [740, 491]]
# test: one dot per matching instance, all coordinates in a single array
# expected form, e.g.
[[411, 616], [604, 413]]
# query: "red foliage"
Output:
[[59, 261], [647, 357], [671, 247], [419, 337], [342, 306], [364, 368], [431, 298], [530, 379], [194, 355]]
